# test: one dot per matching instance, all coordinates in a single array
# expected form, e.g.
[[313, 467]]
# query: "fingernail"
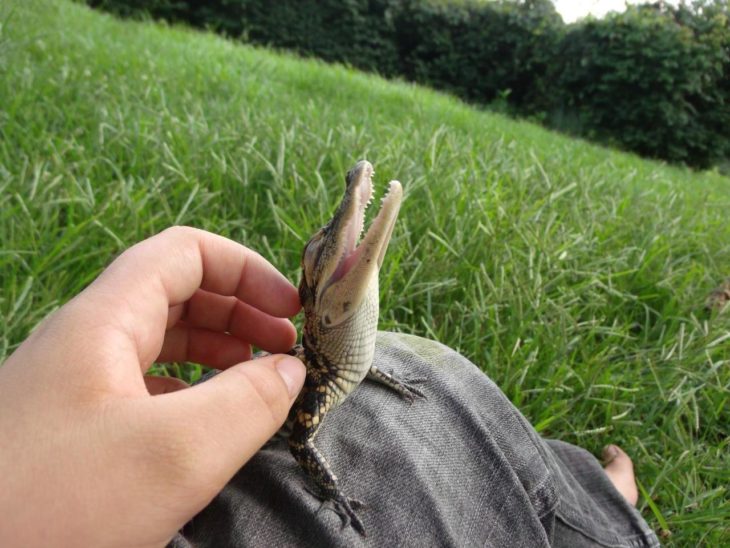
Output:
[[292, 371]]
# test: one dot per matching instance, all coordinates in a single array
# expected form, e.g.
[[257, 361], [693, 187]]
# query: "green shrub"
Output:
[[171, 10], [481, 51], [654, 80], [358, 32]]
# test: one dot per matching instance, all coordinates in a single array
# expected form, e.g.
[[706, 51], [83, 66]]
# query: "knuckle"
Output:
[[179, 231]]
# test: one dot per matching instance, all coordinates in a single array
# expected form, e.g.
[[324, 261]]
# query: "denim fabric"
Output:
[[461, 468]]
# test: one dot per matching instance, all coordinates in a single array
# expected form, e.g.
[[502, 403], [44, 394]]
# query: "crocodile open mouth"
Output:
[[372, 247]]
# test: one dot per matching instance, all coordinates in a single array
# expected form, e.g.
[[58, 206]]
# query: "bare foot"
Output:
[[620, 470]]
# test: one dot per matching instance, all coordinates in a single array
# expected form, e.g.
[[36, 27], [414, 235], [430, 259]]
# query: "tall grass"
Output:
[[573, 275]]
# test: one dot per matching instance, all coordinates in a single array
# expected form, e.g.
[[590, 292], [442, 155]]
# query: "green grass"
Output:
[[573, 275]]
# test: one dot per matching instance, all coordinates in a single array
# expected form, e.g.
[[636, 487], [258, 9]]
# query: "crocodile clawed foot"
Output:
[[342, 505], [345, 507], [406, 390], [410, 392]]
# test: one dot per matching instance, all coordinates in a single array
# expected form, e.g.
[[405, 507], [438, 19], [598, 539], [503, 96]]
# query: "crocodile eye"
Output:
[[310, 256]]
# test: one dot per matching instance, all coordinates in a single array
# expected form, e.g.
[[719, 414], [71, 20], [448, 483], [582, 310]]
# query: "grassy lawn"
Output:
[[573, 275]]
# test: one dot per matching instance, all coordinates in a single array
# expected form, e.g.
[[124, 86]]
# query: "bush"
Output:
[[654, 80], [650, 80], [481, 51], [358, 32]]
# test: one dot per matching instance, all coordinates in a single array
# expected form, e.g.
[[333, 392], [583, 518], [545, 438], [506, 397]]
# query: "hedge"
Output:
[[651, 80], [654, 79]]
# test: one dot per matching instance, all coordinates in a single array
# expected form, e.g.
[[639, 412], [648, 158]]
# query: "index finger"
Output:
[[136, 291], [180, 260]]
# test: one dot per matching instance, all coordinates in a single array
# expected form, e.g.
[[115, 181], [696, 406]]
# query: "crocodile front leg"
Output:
[[309, 415]]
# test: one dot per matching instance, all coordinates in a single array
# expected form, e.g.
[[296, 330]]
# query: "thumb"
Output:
[[221, 423]]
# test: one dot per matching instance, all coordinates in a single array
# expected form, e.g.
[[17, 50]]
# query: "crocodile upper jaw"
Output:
[[337, 273]]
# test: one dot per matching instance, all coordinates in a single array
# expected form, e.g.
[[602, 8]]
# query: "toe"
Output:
[[620, 471]]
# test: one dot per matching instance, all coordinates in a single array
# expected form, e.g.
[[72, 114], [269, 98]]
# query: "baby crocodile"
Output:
[[339, 294]]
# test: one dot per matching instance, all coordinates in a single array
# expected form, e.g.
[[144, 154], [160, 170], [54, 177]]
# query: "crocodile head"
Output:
[[339, 286]]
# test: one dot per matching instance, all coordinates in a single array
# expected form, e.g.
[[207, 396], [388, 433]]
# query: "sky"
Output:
[[575, 9]]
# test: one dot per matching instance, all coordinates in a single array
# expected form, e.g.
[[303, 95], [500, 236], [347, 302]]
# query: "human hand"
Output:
[[92, 452]]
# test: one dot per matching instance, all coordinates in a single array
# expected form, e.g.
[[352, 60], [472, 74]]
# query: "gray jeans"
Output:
[[461, 468]]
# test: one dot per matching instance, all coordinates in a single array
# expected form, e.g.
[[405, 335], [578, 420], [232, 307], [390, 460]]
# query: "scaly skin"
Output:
[[339, 293]]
